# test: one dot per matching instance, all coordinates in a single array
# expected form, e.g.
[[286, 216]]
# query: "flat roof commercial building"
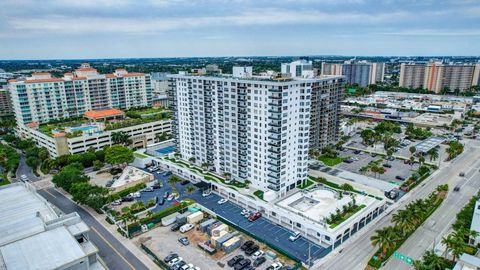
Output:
[[34, 236]]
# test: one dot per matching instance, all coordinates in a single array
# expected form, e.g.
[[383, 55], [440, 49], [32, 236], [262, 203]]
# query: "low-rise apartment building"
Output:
[[95, 133]]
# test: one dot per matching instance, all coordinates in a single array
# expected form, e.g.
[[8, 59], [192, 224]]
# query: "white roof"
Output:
[[46, 250]]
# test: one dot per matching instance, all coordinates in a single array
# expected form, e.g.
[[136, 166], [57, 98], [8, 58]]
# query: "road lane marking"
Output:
[[51, 194], [114, 249]]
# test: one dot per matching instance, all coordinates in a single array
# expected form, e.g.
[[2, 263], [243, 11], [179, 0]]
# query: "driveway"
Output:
[[24, 169]]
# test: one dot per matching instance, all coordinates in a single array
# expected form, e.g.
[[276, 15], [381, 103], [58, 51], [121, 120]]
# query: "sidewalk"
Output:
[[129, 244]]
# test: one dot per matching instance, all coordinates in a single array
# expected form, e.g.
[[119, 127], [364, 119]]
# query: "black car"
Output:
[[184, 182], [246, 245], [242, 264], [386, 165], [259, 261], [398, 177], [249, 251], [235, 260], [179, 265], [175, 227], [166, 194], [356, 152], [347, 161], [128, 198], [157, 185], [170, 257], [162, 201], [249, 267]]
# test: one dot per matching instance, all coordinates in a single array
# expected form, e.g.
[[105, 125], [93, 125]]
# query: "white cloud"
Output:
[[432, 32]]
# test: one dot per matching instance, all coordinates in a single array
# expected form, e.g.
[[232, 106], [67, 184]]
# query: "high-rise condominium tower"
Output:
[[42, 98], [252, 128]]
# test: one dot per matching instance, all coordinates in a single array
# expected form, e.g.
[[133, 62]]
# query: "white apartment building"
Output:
[[253, 128], [298, 69], [42, 98]]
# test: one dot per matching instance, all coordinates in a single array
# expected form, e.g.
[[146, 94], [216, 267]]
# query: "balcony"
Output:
[[274, 149], [274, 137], [275, 103], [274, 187], [275, 123], [274, 175], [242, 122], [273, 163], [274, 169], [275, 130], [274, 156], [275, 96], [275, 116], [275, 143], [274, 109]]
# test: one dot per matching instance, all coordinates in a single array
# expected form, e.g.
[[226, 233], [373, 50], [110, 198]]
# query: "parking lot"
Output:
[[398, 166], [269, 232]]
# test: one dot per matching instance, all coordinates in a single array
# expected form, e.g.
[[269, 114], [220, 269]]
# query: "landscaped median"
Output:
[[405, 221]]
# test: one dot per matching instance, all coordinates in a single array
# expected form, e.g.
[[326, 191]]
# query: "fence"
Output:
[[154, 258]]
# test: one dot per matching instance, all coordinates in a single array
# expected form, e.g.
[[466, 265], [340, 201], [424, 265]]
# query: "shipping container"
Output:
[[213, 226], [195, 217], [232, 244], [170, 219], [219, 241], [219, 230], [204, 225]]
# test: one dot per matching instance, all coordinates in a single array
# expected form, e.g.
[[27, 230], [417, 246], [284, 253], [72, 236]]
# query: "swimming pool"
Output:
[[166, 150], [84, 128]]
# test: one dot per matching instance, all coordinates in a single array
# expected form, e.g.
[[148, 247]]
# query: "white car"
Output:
[[245, 212], [175, 261], [116, 202], [24, 178], [135, 194], [294, 237], [185, 267], [185, 228], [276, 266], [170, 197], [206, 193], [222, 201], [257, 254]]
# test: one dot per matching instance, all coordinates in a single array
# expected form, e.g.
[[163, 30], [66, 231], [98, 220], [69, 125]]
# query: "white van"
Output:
[[187, 227]]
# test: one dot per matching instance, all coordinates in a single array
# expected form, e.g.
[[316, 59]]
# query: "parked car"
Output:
[[175, 261], [135, 194], [259, 261], [252, 250], [294, 236], [170, 257], [235, 260], [386, 165], [222, 201], [148, 189], [179, 265], [175, 227], [24, 178], [206, 193], [161, 201], [166, 194], [254, 216], [170, 197], [128, 198], [249, 267], [116, 202], [157, 185], [246, 245], [390, 158], [184, 182], [184, 241], [275, 266], [244, 212], [187, 227], [398, 177], [242, 264], [357, 152], [462, 174], [347, 161], [257, 254]]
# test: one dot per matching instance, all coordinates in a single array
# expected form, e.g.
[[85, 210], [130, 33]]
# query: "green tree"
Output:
[[121, 138], [385, 239], [346, 187], [190, 189], [68, 176], [368, 136], [97, 165], [433, 153], [117, 154], [173, 180]]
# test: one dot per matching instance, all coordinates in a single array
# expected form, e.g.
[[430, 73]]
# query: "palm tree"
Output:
[[403, 220], [412, 150], [173, 180], [121, 138], [450, 152], [189, 189], [347, 187], [385, 239], [205, 166], [455, 245], [433, 154], [412, 161], [389, 153], [433, 261], [421, 160]]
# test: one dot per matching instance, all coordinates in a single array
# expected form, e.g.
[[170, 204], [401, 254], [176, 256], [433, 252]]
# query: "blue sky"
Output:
[[49, 29]]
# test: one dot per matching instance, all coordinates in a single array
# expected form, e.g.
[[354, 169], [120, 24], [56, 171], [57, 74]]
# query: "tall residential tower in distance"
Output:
[[437, 76], [254, 128], [362, 73]]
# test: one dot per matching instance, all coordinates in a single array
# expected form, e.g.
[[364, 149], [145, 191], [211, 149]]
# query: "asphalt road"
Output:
[[356, 252], [439, 223], [113, 253], [23, 168]]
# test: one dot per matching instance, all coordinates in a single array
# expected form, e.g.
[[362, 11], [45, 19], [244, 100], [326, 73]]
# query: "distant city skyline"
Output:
[[58, 29]]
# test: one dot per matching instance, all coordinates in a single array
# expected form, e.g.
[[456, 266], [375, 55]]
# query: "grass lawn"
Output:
[[259, 194], [139, 155], [331, 161], [307, 184]]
